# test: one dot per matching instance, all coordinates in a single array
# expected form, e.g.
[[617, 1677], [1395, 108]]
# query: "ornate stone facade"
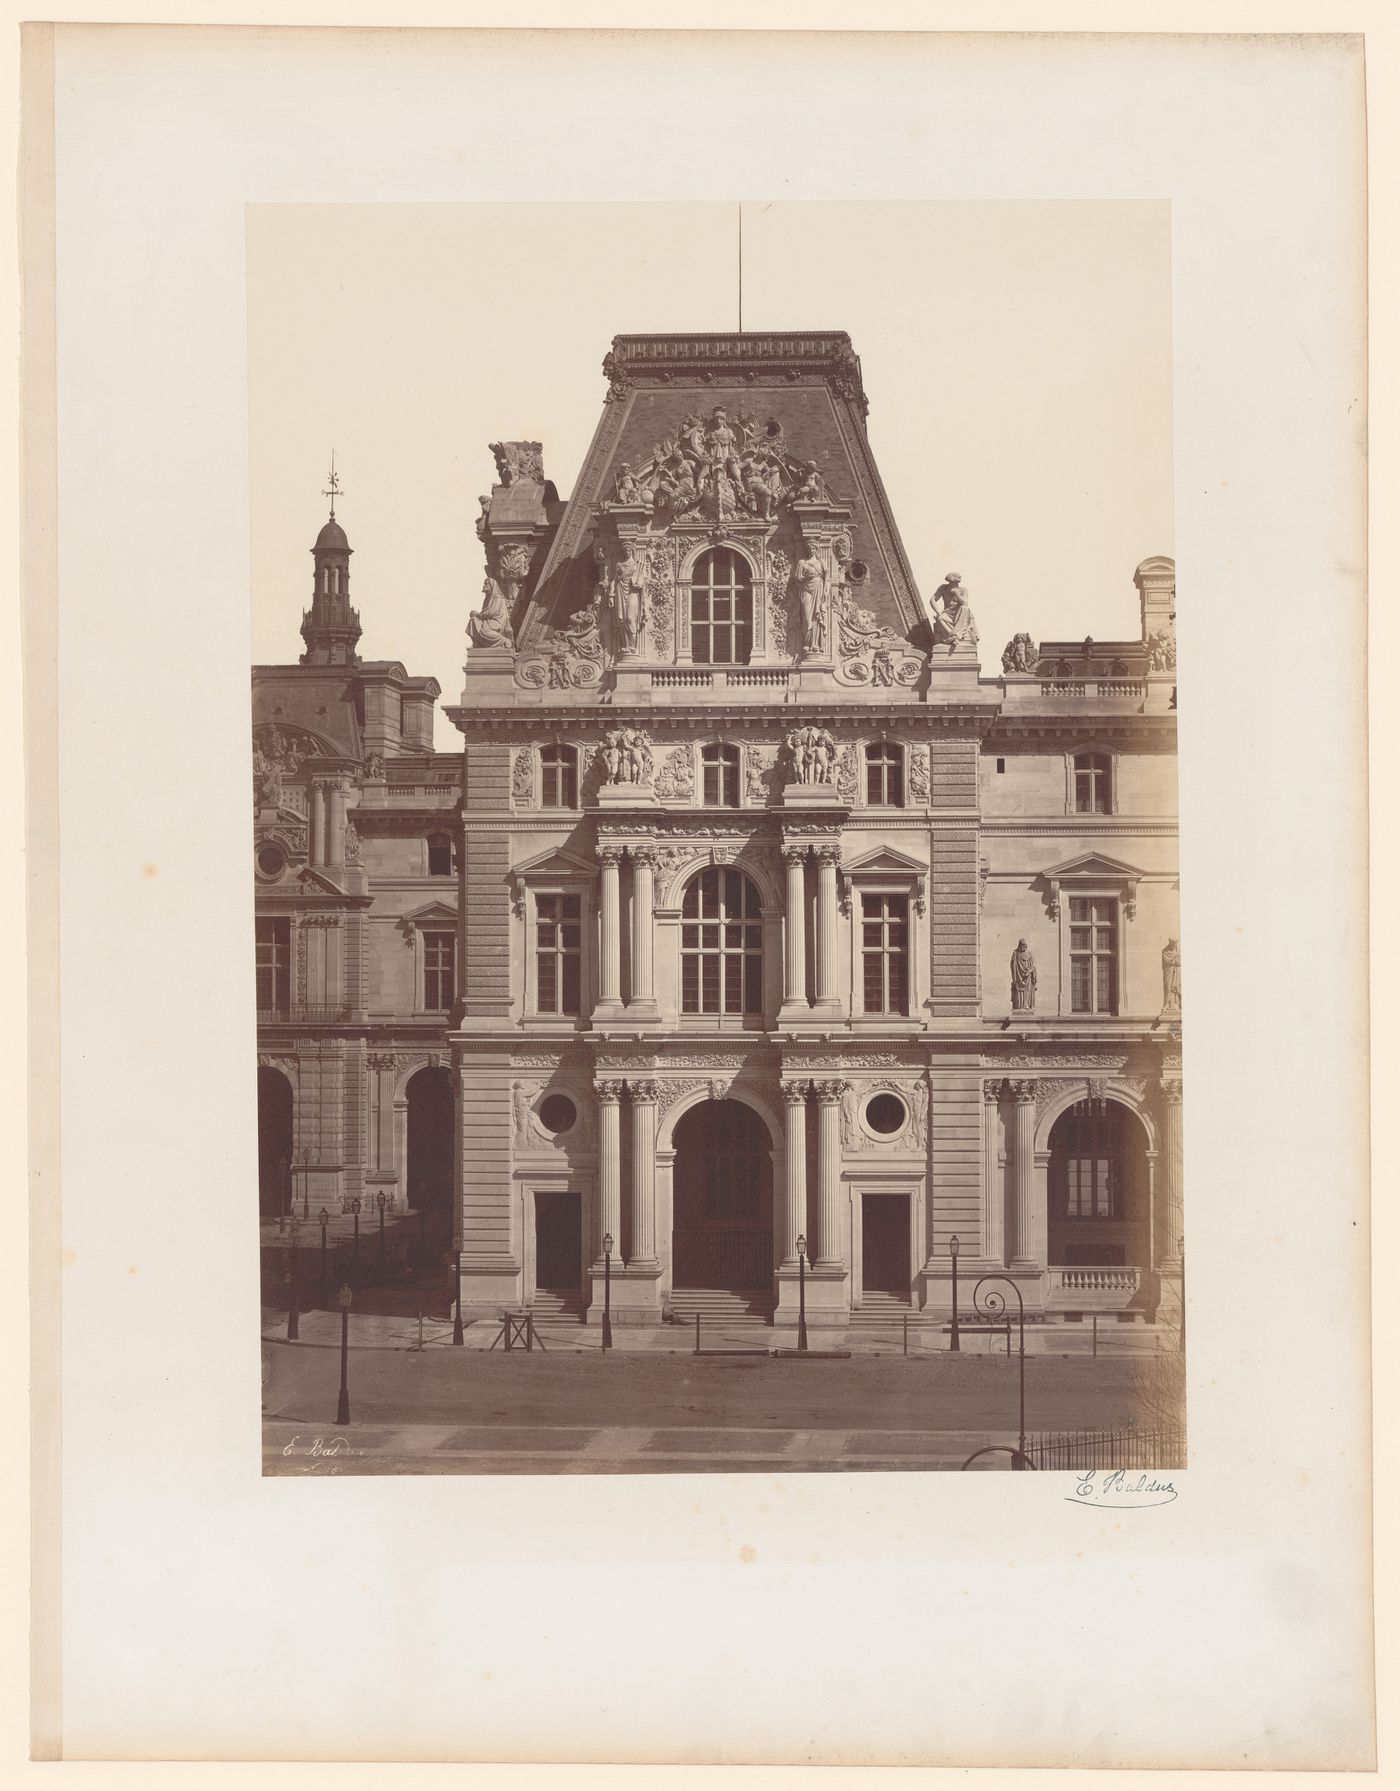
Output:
[[734, 858]]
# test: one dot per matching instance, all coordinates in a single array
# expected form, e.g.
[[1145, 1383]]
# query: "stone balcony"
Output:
[[1033, 694], [1093, 1288]]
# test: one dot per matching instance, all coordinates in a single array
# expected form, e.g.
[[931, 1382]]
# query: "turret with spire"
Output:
[[330, 628]]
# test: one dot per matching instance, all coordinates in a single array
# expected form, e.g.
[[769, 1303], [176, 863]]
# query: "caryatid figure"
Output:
[[627, 599], [1023, 978], [809, 575]]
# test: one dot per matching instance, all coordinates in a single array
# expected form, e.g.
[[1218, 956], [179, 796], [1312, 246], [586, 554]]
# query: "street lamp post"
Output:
[[293, 1316], [802, 1292], [284, 1165], [342, 1412], [355, 1247], [325, 1219], [993, 1305], [305, 1184], [954, 1341], [607, 1290], [381, 1200], [456, 1260], [1181, 1252]]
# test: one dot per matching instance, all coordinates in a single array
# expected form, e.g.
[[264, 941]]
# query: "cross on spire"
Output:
[[332, 489]]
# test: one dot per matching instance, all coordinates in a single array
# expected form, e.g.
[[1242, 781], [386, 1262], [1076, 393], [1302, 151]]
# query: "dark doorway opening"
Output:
[[430, 1150], [885, 1244], [559, 1243], [723, 1231], [1098, 1187], [274, 1143]]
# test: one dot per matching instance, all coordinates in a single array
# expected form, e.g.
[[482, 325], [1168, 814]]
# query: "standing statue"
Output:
[[626, 756], [627, 489], [518, 460], [267, 779], [953, 624], [1023, 979], [489, 626], [809, 575], [627, 599], [1171, 977]]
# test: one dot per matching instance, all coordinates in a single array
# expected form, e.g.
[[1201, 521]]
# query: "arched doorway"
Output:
[[1098, 1188], [430, 1147], [723, 1214], [274, 1143]]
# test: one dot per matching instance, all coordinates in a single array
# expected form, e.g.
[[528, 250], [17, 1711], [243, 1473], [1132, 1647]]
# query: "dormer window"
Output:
[[558, 777], [719, 766], [884, 775], [721, 608]]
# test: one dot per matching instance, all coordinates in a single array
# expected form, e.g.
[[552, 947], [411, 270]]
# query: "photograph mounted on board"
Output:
[[740, 1029]]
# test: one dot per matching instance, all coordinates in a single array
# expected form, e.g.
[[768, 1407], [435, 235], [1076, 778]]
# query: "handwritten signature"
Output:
[[325, 1454], [1122, 1490]]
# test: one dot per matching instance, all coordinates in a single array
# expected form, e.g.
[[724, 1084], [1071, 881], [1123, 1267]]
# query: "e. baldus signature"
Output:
[[1122, 1489], [326, 1454]]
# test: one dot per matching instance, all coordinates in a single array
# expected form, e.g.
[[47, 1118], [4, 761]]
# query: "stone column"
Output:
[[335, 824], [827, 856], [643, 1002], [829, 1172], [795, 929], [610, 918], [795, 1153], [1172, 1221], [643, 1173], [994, 1209], [1023, 1174], [609, 1166]]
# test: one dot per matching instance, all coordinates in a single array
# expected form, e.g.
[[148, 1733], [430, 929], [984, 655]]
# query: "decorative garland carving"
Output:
[[779, 577], [676, 778], [522, 778], [918, 773]]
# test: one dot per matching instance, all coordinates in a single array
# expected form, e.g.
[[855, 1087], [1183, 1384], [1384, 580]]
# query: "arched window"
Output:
[[1097, 1186], [1093, 784], [558, 777], [721, 608], [884, 775], [721, 944], [719, 770]]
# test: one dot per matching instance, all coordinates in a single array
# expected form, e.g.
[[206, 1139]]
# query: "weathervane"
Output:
[[332, 490]]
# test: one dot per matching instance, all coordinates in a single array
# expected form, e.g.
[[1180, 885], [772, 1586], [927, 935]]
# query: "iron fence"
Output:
[[1156, 1446]]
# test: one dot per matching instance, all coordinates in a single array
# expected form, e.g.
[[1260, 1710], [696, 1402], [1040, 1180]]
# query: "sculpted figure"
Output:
[[489, 626], [953, 624], [719, 437], [518, 460], [628, 491], [809, 575], [813, 753], [1171, 977], [636, 756], [1161, 652], [612, 757], [1019, 654], [1023, 978], [627, 599], [881, 667], [267, 779], [812, 488]]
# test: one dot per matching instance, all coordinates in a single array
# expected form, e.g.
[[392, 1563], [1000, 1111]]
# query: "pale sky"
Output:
[[1017, 358]]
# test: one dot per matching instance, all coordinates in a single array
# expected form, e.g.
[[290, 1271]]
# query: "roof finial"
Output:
[[332, 490]]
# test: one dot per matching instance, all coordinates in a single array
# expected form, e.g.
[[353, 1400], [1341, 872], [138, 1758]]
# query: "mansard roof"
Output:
[[792, 403]]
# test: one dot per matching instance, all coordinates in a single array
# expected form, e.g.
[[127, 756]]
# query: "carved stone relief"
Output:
[[918, 773], [522, 778], [676, 778]]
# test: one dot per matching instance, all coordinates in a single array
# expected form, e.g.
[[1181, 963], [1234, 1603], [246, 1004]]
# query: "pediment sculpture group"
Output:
[[720, 468]]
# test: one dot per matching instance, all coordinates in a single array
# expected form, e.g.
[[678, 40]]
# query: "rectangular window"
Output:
[[719, 767], [274, 958], [1090, 1193], [439, 971], [1092, 784], [440, 856], [885, 953], [884, 776], [1093, 955], [559, 777], [558, 953]]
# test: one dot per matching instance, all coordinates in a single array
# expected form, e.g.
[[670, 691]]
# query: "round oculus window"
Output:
[[272, 861], [557, 1113], [857, 571], [885, 1114]]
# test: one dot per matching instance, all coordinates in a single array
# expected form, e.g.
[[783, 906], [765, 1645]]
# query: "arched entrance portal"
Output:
[[1098, 1188], [274, 1143], [430, 1148], [723, 1224]]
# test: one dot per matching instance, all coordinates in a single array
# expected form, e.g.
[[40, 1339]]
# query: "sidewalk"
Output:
[[377, 1331]]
